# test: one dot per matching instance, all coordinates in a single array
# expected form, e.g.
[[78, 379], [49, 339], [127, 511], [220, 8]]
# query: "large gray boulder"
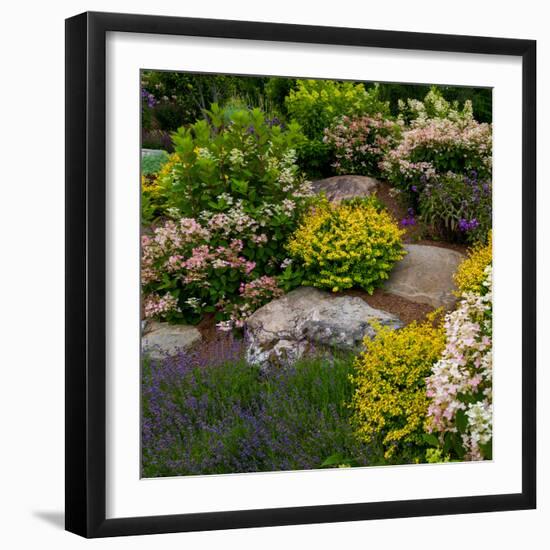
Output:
[[339, 188], [307, 320], [425, 275], [162, 339]]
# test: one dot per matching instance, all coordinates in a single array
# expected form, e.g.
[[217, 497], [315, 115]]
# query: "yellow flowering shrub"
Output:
[[154, 190], [354, 244], [152, 199], [166, 170], [390, 401], [470, 274]]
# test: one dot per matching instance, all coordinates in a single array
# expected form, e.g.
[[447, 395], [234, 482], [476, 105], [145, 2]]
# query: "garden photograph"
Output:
[[316, 274]]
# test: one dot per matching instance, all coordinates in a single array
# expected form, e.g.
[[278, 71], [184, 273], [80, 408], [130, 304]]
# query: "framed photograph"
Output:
[[294, 293]]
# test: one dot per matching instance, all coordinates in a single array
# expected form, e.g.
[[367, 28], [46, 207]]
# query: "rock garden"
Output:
[[316, 274]]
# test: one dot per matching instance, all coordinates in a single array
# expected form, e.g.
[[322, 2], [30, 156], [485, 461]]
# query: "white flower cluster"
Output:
[[462, 378], [236, 157]]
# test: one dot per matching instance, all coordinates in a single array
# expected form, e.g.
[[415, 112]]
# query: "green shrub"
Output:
[[459, 208], [152, 200], [351, 245], [234, 195], [152, 163], [471, 274], [390, 403], [315, 104]]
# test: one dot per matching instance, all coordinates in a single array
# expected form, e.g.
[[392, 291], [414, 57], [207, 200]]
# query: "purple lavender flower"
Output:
[[203, 414], [465, 225], [148, 97]]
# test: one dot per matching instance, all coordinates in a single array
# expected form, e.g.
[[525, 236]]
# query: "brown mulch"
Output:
[[406, 310], [207, 328]]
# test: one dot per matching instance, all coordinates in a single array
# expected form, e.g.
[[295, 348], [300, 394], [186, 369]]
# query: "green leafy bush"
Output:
[[315, 104], [351, 245], [470, 275], [152, 163], [153, 203], [459, 208], [234, 195]]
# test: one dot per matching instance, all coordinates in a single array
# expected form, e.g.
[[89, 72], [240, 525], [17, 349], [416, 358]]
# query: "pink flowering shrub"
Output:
[[183, 275], [252, 295], [234, 193], [443, 168], [433, 148], [359, 144], [460, 386]]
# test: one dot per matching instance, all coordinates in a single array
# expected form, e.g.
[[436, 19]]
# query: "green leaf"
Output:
[[332, 460], [487, 449], [457, 446], [431, 440], [461, 421]]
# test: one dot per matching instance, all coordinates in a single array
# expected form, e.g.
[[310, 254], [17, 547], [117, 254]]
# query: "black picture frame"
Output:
[[86, 279]]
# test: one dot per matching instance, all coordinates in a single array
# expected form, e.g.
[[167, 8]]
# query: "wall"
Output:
[[31, 278]]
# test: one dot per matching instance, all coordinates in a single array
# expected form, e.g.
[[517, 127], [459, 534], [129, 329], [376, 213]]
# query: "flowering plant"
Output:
[[433, 106], [234, 194], [237, 175], [185, 275], [460, 385], [353, 244], [439, 146], [315, 104], [390, 399], [359, 144], [470, 275], [152, 199], [457, 207]]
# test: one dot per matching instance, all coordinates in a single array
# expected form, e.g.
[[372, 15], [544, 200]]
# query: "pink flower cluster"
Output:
[[163, 248], [360, 143], [203, 259], [252, 295], [438, 138], [158, 306], [184, 252], [462, 378]]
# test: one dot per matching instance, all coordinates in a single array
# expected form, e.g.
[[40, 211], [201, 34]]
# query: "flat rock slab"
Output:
[[339, 188], [308, 319], [425, 275], [162, 339], [153, 152]]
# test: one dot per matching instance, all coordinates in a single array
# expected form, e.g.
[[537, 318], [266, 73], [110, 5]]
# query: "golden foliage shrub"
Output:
[[354, 244], [471, 272], [390, 401]]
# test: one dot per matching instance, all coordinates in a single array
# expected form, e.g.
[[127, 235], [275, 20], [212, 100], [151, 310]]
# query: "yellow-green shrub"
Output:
[[154, 190], [470, 274], [152, 199], [390, 400], [343, 246]]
